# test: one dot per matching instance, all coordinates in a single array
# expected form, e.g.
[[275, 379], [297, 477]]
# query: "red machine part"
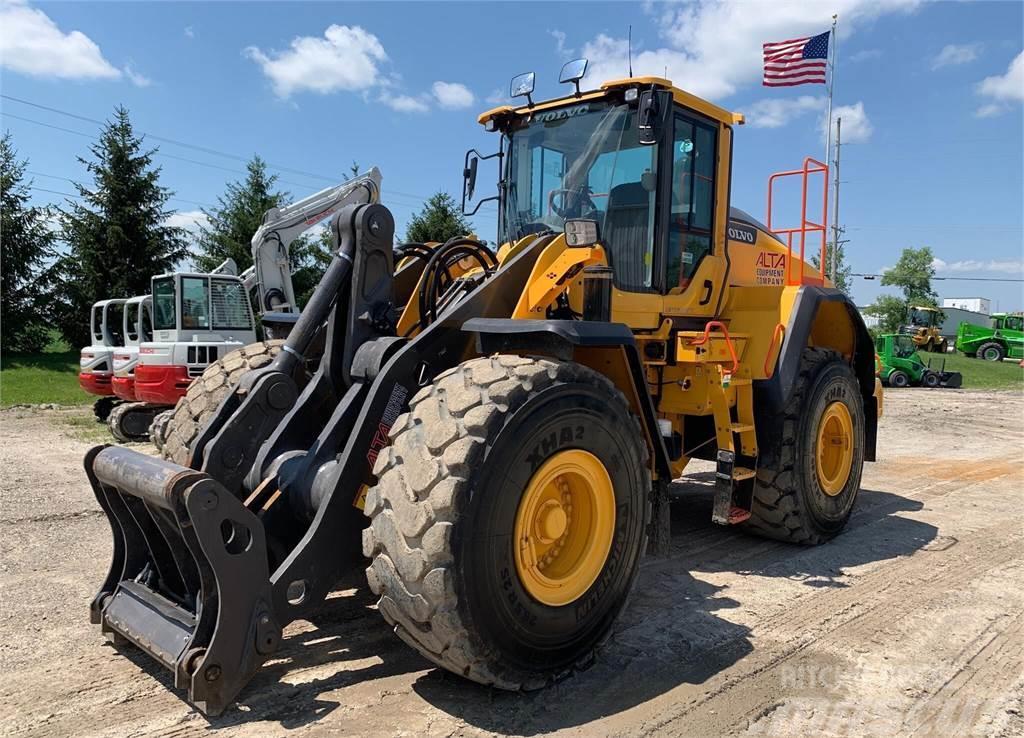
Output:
[[124, 387], [161, 383], [96, 383]]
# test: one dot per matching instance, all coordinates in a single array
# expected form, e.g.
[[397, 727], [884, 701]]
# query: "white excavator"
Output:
[[96, 361], [200, 318]]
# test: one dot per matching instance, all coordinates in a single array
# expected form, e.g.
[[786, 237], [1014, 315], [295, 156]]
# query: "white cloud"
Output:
[[864, 55], [1004, 266], [498, 96], [955, 54], [31, 43], [713, 49], [189, 32], [560, 47], [775, 113], [856, 127], [1004, 89], [190, 220], [345, 58], [453, 95], [404, 103], [989, 111], [137, 79]]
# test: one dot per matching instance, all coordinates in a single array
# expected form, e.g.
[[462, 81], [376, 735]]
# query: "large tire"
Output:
[[206, 393], [158, 429], [789, 501], [447, 503], [991, 351]]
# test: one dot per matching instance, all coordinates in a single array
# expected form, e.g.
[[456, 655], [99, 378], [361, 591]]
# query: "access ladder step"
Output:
[[739, 473], [740, 381], [738, 515], [725, 510], [741, 427]]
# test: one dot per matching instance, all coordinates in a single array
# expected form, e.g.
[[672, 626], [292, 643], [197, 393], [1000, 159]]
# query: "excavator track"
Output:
[[130, 421]]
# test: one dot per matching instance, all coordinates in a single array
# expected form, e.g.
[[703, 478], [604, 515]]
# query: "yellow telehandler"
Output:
[[491, 434]]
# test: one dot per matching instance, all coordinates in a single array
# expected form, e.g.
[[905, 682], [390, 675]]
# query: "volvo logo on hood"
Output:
[[549, 116], [742, 233]]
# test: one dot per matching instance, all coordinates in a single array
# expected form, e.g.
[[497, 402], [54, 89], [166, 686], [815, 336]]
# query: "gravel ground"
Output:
[[909, 623]]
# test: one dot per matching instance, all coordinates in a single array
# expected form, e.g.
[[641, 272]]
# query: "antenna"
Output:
[[629, 48]]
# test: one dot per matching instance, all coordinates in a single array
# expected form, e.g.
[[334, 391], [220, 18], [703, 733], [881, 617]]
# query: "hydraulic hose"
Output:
[[437, 269], [324, 296]]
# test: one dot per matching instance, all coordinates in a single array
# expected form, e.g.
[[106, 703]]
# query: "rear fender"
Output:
[[826, 318]]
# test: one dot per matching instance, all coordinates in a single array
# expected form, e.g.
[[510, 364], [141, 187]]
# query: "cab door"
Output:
[[696, 211]]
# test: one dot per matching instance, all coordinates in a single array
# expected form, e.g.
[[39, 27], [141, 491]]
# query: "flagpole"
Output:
[[833, 43], [831, 87]]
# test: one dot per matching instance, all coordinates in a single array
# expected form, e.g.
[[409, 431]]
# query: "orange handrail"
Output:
[[768, 372], [728, 341], [810, 167]]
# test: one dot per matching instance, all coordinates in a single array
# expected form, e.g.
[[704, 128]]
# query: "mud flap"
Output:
[[189, 582]]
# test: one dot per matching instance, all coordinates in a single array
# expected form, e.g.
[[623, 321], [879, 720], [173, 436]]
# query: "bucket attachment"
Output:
[[952, 380], [189, 582]]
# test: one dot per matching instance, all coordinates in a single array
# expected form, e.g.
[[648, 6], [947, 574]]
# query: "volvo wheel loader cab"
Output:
[[494, 432], [96, 361]]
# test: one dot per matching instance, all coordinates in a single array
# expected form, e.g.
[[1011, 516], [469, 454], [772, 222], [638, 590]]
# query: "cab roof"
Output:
[[680, 96]]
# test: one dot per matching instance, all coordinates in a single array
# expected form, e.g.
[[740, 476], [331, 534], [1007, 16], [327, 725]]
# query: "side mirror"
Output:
[[522, 86], [469, 175], [647, 118], [573, 72]]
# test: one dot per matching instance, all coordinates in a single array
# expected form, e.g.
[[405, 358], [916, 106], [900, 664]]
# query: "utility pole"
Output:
[[835, 204]]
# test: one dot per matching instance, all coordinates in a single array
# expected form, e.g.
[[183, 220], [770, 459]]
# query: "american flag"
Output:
[[799, 61]]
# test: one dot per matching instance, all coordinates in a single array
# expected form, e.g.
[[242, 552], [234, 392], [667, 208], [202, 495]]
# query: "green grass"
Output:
[[980, 374], [40, 378]]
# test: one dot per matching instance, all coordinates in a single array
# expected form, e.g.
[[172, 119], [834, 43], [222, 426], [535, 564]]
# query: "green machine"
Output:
[[1004, 339], [901, 366]]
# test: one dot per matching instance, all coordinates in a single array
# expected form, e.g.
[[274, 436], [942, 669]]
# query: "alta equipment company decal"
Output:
[[770, 268]]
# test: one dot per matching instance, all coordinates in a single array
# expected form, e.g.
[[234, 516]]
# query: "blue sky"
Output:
[[930, 94]]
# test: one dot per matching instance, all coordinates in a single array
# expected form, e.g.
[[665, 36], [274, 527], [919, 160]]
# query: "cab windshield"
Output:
[[905, 347], [585, 161]]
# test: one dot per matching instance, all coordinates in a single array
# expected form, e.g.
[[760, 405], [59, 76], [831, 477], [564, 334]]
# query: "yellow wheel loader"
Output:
[[491, 434]]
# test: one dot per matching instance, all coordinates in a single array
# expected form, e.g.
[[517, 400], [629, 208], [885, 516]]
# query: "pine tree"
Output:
[[439, 220], [26, 254], [117, 235], [237, 217]]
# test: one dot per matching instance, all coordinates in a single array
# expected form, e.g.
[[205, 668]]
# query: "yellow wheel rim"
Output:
[[835, 448], [564, 527]]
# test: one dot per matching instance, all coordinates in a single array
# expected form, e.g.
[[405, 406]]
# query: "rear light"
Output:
[[122, 357], [87, 355], [147, 350]]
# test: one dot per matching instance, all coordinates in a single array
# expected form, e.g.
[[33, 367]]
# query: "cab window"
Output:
[[195, 303], [164, 308], [693, 199], [230, 305]]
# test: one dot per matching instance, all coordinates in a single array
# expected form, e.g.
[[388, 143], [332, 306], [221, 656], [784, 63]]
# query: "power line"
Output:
[[185, 144], [959, 279], [174, 142], [390, 194], [66, 179]]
